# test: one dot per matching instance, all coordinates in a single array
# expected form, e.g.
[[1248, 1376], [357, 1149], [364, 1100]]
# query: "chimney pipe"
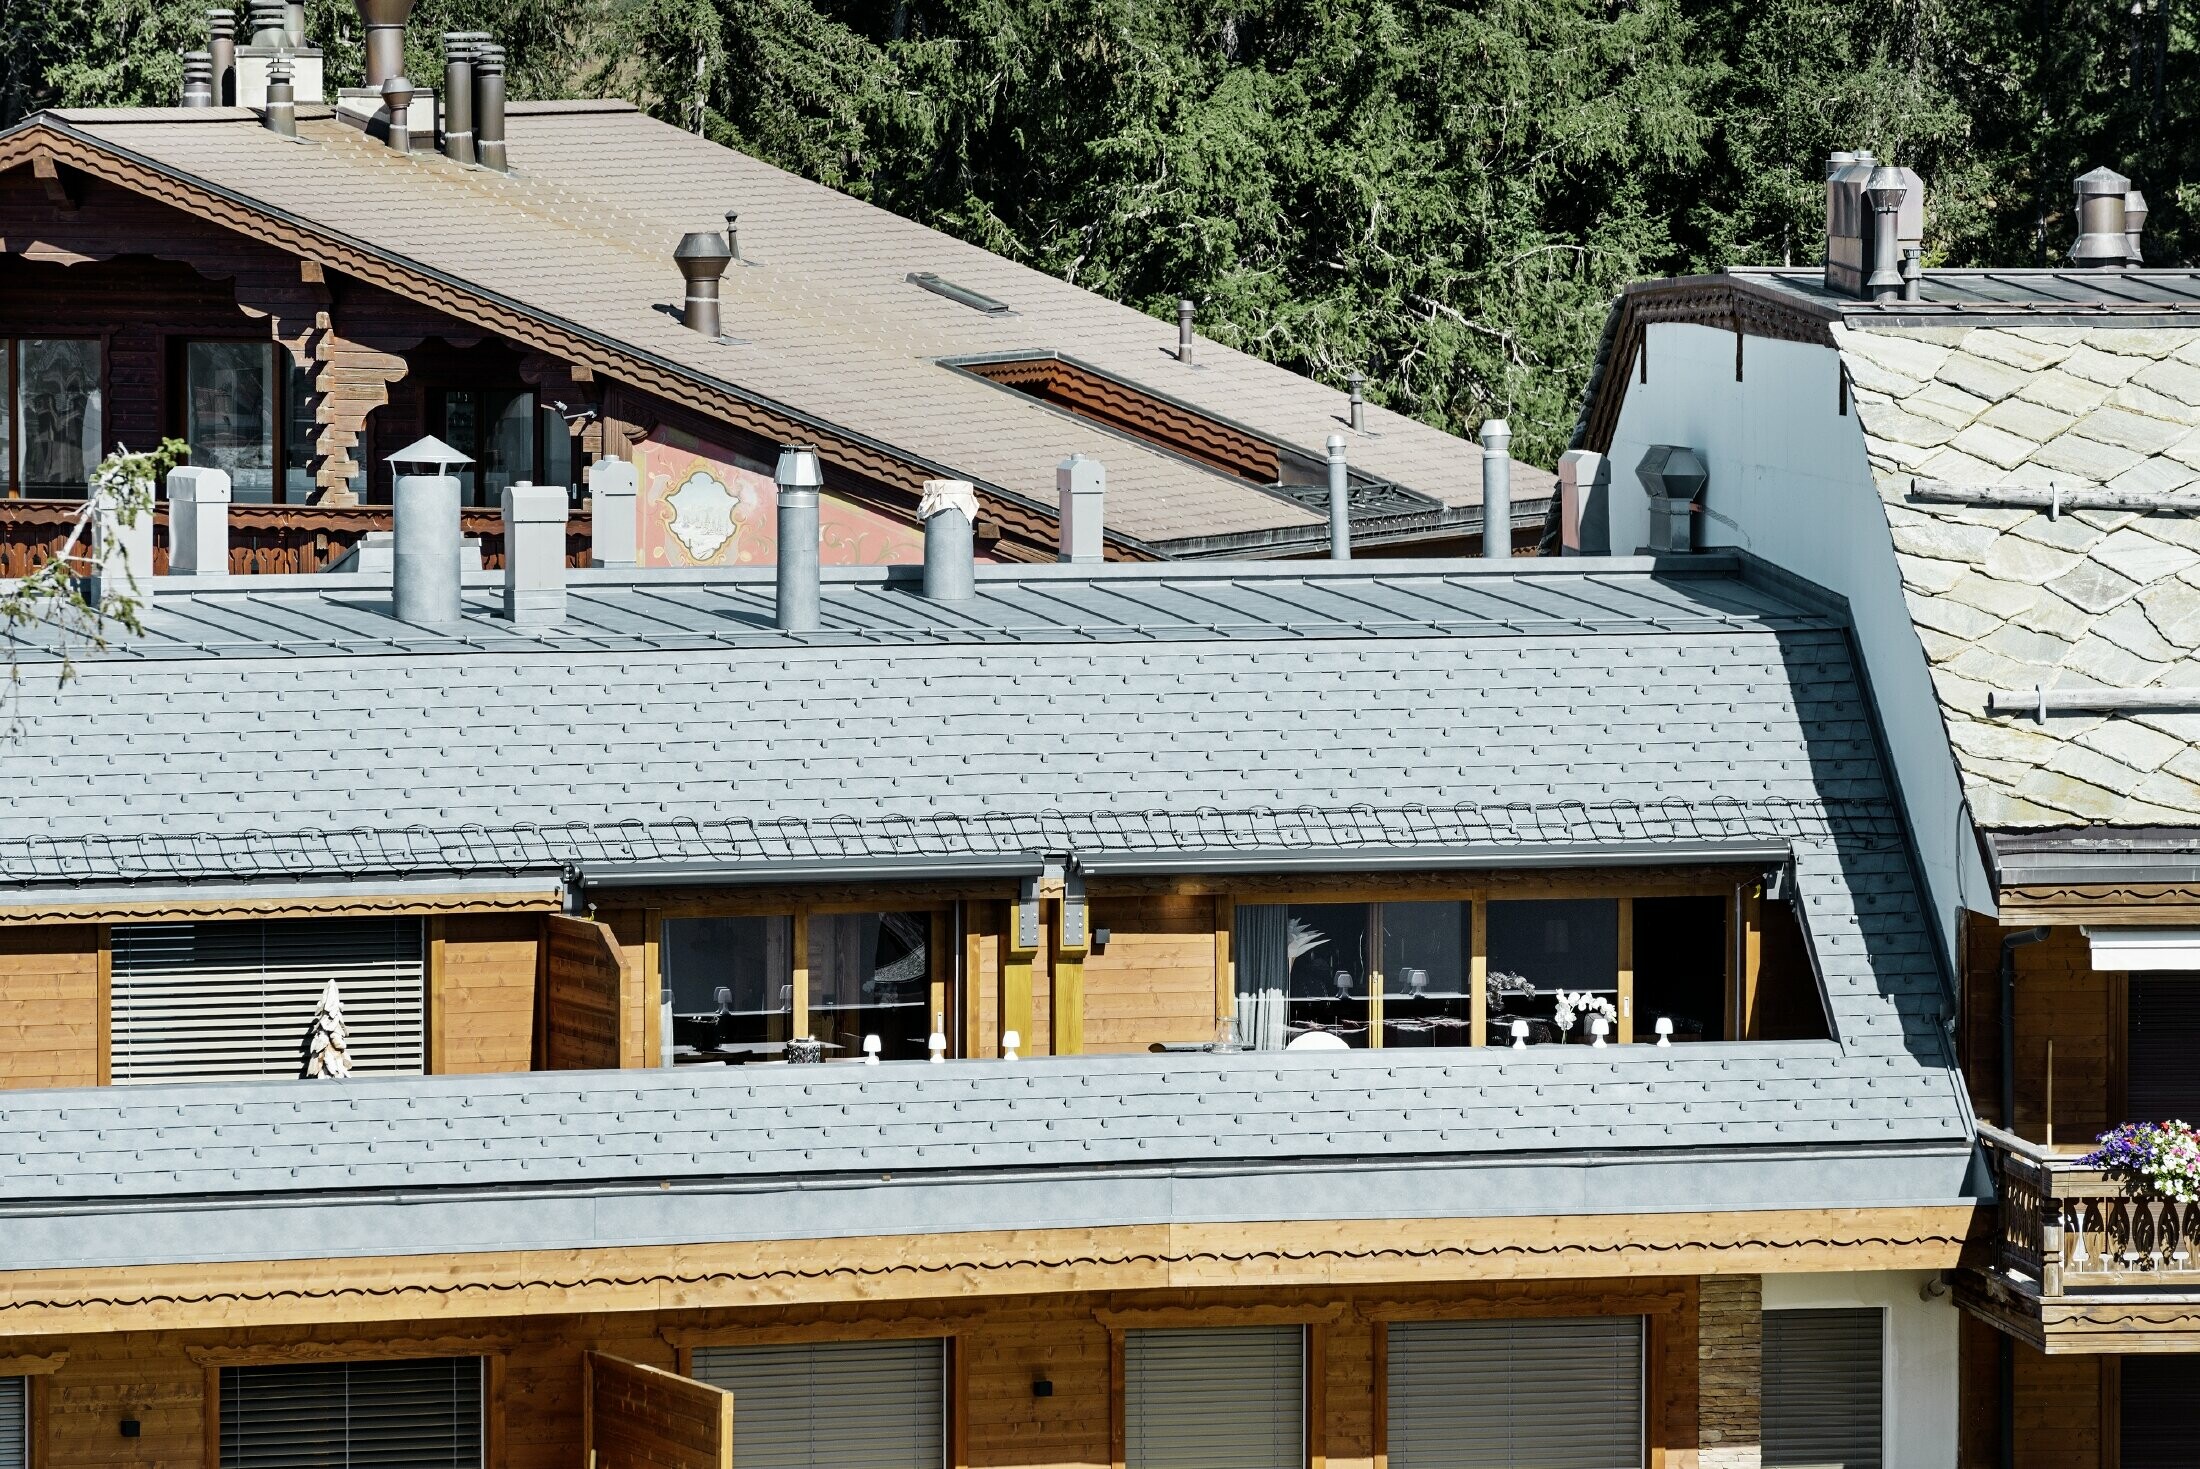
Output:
[[1885, 191], [1497, 490], [294, 23], [798, 477], [198, 522], [397, 97], [221, 29], [1584, 497], [122, 555], [733, 236], [424, 574], [2135, 223], [1340, 501], [1080, 487], [613, 486], [198, 79], [270, 25], [1185, 311], [1357, 415], [534, 554], [385, 25], [702, 256], [2101, 220], [280, 114], [489, 106], [458, 96], [949, 511]]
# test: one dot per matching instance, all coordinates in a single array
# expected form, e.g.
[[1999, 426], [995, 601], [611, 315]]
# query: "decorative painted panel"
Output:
[[705, 505]]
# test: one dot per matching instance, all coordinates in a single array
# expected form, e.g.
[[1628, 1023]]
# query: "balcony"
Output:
[[2082, 1261]]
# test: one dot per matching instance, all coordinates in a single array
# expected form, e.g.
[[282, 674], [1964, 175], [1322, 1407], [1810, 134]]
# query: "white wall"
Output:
[[1789, 481], [1919, 1386]]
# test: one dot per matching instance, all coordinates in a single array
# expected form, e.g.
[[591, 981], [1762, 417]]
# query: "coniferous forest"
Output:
[[1443, 196]]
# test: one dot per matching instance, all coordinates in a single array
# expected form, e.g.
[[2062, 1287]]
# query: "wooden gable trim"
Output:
[[2152, 904], [209, 910]]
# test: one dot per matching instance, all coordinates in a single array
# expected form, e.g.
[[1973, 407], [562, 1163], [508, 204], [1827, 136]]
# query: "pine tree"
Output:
[[328, 1044]]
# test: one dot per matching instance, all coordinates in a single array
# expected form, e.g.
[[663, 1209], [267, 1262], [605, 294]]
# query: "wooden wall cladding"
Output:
[[1154, 979], [49, 1005], [585, 980], [2061, 1000], [485, 992], [641, 1417]]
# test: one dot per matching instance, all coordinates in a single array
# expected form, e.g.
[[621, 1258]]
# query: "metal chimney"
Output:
[[2135, 223], [949, 511], [1356, 405], [424, 576], [385, 24], [198, 521], [198, 79], [1080, 488], [1674, 478], [270, 26], [122, 555], [1584, 499], [799, 475], [733, 236], [1186, 309], [1885, 191], [1340, 500], [1497, 490], [2101, 220], [280, 114], [397, 99], [221, 28], [613, 488], [534, 554], [489, 106], [702, 256], [458, 96]]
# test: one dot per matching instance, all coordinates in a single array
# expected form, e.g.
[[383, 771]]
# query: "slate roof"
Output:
[[1985, 295], [2008, 600], [827, 325]]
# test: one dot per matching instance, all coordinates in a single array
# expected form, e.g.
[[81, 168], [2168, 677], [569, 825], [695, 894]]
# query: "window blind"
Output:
[[834, 1405], [423, 1413], [2155, 1410], [2163, 1015], [1822, 1389], [15, 1423], [1560, 1392], [235, 1001], [1228, 1398]]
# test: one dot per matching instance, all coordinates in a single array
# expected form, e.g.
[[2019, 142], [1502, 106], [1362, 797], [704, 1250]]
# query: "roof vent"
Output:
[[1340, 499], [799, 477], [385, 23], [949, 511], [960, 295], [2135, 223], [198, 521], [1080, 485], [397, 100], [198, 79], [613, 488], [2102, 221], [1186, 312], [280, 115], [534, 554], [1584, 497], [221, 31], [1674, 477], [489, 105], [1497, 493], [458, 96], [702, 256], [1853, 242], [424, 571]]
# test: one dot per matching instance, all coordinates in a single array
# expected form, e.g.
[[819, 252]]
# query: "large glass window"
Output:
[[229, 414], [735, 995], [58, 422], [1302, 967], [1543, 951], [732, 983], [871, 974], [510, 438], [1427, 982]]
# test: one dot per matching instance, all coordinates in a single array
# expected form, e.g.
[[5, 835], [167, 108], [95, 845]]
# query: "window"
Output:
[[15, 1423], [2162, 1017], [236, 1001], [511, 440], [1558, 1392], [1540, 946], [735, 997], [1822, 1389], [247, 409], [848, 1404], [1227, 1398], [51, 432], [418, 1414], [2154, 1403]]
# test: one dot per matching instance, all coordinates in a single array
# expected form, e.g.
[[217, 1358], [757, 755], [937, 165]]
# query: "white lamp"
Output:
[[1010, 1040], [1664, 1028], [871, 1049], [936, 1043], [1520, 1035], [1598, 1025]]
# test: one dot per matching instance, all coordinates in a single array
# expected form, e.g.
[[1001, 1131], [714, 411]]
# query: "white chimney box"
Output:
[[534, 554], [613, 490], [198, 521], [1081, 483]]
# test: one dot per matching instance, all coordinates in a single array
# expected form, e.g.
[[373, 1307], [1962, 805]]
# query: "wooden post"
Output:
[[1478, 973], [1118, 1385], [941, 1008], [798, 1001], [1317, 1395], [1752, 956], [1626, 1026], [103, 1017], [2050, 1093], [1072, 940], [437, 1002], [1225, 962], [1019, 947], [977, 917]]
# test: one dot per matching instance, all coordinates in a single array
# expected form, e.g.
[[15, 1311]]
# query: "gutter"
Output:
[[1330, 859], [1528, 514], [765, 874]]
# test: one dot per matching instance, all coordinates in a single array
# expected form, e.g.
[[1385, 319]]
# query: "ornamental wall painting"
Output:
[[704, 505]]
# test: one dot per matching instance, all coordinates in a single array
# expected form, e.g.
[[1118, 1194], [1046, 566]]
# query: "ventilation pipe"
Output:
[[294, 23], [424, 580], [270, 25], [1080, 488], [489, 106], [198, 79], [280, 115], [2102, 222], [702, 256], [1340, 501], [385, 25], [221, 29], [1356, 405], [1497, 490], [1674, 479], [2135, 223], [733, 236], [534, 554], [458, 96], [1185, 311], [397, 99], [798, 477], [1885, 191], [613, 488], [198, 521], [949, 511]]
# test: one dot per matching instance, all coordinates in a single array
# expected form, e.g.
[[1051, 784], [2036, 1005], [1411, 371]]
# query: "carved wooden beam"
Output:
[[64, 186]]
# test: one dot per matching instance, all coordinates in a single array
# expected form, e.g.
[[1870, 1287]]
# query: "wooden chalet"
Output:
[[1996, 470], [1411, 1013]]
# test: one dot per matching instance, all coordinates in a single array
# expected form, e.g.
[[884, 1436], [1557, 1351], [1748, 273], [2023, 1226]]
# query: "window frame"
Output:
[[493, 1351], [176, 355], [11, 462], [954, 1362]]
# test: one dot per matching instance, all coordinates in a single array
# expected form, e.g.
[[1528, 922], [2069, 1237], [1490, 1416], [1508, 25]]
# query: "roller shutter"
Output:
[[834, 1405], [1230, 1398], [423, 1413], [1560, 1392], [2155, 1411], [15, 1423], [2163, 1014], [1822, 1388], [234, 1001]]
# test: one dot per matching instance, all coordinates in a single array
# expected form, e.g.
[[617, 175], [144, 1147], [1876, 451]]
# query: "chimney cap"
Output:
[[1672, 472], [430, 453], [702, 255], [798, 468], [1887, 187], [2102, 181]]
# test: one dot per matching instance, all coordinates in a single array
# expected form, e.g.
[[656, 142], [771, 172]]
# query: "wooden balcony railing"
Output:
[[2068, 1226], [262, 538]]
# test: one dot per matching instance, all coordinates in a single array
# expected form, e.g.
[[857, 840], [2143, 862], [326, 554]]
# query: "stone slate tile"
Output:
[[2108, 369], [2079, 455], [2128, 430], [2142, 558], [1993, 381], [2026, 354], [2065, 392]]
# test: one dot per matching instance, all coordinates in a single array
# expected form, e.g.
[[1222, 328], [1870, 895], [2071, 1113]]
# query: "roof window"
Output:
[[960, 295]]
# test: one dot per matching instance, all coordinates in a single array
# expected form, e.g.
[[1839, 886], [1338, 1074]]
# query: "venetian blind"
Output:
[[1227, 1398], [235, 1001], [1558, 1392], [1822, 1388], [834, 1405], [15, 1427], [423, 1413]]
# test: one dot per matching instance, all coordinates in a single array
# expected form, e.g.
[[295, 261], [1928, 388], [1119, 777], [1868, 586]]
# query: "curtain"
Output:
[[1263, 974]]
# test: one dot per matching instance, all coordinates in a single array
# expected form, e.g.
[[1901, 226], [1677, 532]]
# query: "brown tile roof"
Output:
[[581, 235]]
